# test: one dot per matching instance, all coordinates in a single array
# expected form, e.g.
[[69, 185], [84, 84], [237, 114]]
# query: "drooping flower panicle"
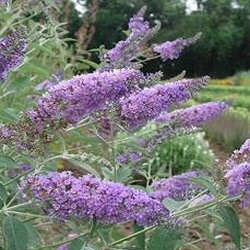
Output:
[[171, 50], [239, 182], [123, 49], [147, 104], [239, 156], [73, 99], [62, 195], [195, 115]]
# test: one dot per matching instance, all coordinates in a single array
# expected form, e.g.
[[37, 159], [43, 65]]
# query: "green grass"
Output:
[[239, 95]]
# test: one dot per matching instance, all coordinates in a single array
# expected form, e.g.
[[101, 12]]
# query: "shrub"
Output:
[[85, 122], [182, 153]]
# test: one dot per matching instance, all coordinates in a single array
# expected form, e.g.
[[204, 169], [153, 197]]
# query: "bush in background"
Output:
[[231, 129], [182, 153]]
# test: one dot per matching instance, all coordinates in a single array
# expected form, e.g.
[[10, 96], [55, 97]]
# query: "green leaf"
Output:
[[7, 115], [76, 244], [6, 161], [206, 182], [90, 63], [165, 239], [35, 70], [3, 193], [79, 165], [123, 174], [15, 234], [231, 220], [172, 205], [108, 174], [33, 236]]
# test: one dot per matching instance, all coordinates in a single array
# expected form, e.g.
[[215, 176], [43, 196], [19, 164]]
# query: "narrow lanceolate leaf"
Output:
[[90, 63], [172, 205], [76, 244], [206, 182], [231, 220], [165, 239], [15, 234]]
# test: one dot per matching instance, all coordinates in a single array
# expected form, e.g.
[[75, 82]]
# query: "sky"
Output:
[[191, 5]]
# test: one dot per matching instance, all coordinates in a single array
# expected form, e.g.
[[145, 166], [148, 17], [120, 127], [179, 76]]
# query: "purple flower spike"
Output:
[[125, 50], [239, 182], [147, 104], [71, 100], [177, 187], [239, 156], [12, 49], [172, 50], [195, 115], [62, 195], [137, 25]]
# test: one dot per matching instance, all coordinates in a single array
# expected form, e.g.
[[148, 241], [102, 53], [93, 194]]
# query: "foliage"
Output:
[[182, 153]]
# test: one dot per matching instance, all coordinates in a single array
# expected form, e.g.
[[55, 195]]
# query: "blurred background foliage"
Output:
[[225, 25]]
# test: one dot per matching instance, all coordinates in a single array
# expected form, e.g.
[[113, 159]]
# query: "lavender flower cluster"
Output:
[[147, 104], [239, 182], [12, 50], [171, 50], [238, 173], [182, 122], [62, 195], [195, 115], [177, 187], [126, 50], [73, 99], [239, 156]]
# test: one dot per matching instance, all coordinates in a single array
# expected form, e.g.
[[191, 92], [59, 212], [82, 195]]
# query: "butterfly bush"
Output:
[[117, 94], [63, 195], [12, 50]]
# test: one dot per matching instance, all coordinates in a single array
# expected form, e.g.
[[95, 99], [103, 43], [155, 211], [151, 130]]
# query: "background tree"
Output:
[[223, 49]]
